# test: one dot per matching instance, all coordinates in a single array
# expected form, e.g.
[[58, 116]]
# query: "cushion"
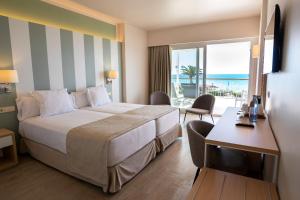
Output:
[[197, 111], [80, 99], [53, 102], [27, 107], [98, 96]]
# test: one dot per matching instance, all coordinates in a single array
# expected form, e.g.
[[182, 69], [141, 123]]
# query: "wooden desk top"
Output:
[[214, 185], [259, 139]]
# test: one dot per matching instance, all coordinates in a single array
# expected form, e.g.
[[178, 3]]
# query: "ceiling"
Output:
[[158, 14]]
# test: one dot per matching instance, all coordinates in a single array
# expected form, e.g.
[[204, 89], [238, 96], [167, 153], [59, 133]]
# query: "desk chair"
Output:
[[229, 160]]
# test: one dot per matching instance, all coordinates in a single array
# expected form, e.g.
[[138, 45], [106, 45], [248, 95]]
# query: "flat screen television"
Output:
[[273, 43]]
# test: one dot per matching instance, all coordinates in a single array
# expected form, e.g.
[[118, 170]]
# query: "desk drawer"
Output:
[[6, 141]]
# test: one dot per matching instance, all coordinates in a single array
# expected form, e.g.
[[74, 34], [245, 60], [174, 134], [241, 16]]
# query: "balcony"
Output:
[[229, 92]]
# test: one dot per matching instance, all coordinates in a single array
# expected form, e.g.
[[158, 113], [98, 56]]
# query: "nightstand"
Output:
[[8, 150]]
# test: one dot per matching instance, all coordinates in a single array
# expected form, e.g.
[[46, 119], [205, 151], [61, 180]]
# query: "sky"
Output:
[[228, 58]]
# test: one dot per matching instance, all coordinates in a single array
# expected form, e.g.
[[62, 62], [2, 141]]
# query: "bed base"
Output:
[[118, 174], [166, 139]]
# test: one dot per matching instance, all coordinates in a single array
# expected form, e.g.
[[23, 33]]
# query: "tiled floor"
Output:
[[221, 103]]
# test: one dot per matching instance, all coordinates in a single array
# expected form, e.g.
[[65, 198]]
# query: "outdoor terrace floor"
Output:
[[221, 103]]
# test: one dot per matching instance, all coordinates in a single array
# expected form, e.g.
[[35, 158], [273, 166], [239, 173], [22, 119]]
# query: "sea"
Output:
[[231, 82]]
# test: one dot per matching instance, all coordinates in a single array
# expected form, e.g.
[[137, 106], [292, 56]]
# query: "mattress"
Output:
[[167, 122], [52, 132], [163, 123]]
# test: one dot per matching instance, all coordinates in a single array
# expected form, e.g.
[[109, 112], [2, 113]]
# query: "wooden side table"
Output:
[[8, 150]]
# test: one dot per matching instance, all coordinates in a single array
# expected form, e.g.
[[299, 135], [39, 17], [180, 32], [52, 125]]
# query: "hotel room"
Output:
[[165, 100]]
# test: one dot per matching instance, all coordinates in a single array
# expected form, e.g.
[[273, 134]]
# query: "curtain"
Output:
[[160, 69], [264, 89]]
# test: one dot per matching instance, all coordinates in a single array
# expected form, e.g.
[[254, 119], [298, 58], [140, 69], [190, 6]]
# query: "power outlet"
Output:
[[7, 109]]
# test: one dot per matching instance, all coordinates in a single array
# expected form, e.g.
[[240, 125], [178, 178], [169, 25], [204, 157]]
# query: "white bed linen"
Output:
[[163, 123], [52, 132], [166, 122], [114, 108]]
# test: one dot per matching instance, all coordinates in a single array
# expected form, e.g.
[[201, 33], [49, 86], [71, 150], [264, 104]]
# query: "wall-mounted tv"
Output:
[[273, 43]]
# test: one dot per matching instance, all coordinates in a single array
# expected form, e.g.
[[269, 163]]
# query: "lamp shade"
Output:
[[255, 51], [9, 76], [112, 74]]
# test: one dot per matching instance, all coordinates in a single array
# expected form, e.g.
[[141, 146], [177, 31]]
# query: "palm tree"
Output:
[[191, 71]]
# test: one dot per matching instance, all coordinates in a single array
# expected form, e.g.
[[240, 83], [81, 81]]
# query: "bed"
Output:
[[105, 145], [166, 119], [54, 141]]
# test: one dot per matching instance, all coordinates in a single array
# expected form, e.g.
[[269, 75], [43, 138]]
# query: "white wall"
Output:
[[135, 65], [284, 102], [237, 28], [136, 40]]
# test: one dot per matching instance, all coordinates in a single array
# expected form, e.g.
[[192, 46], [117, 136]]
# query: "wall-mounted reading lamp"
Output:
[[7, 77], [255, 51], [110, 75]]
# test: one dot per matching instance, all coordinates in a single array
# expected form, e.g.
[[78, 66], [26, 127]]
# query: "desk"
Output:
[[213, 184], [259, 139]]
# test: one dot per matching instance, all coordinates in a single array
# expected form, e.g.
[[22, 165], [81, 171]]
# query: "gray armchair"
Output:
[[159, 98], [204, 104]]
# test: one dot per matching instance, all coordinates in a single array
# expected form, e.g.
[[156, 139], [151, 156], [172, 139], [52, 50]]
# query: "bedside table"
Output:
[[8, 150]]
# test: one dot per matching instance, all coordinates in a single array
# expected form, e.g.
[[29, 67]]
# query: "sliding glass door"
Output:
[[187, 76], [220, 69], [227, 67], [201, 72]]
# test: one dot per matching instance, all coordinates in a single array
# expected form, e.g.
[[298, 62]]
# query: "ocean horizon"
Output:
[[236, 85], [237, 76]]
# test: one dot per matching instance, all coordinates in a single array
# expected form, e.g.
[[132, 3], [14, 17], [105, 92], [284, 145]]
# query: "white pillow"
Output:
[[27, 107], [98, 96], [80, 99], [53, 102]]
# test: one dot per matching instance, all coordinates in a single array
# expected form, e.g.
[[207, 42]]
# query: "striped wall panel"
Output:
[[114, 63], [89, 60], [68, 66], [5, 46], [39, 57], [54, 58], [98, 52], [79, 61], [51, 58], [7, 120], [21, 54]]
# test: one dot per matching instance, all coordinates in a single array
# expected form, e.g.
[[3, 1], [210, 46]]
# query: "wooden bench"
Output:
[[214, 184]]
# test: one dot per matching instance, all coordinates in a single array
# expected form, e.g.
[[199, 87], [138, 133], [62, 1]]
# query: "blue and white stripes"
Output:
[[51, 58]]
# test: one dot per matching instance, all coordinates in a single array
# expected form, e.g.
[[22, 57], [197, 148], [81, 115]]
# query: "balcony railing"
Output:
[[234, 93], [223, 87]]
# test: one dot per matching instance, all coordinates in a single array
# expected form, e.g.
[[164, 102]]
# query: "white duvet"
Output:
[[163, 123], [52, 132], [114, 108]]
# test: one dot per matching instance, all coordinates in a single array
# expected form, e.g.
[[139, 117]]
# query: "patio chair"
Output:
[[242, 99], [203, 105], [177, 93], [159, 98]]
